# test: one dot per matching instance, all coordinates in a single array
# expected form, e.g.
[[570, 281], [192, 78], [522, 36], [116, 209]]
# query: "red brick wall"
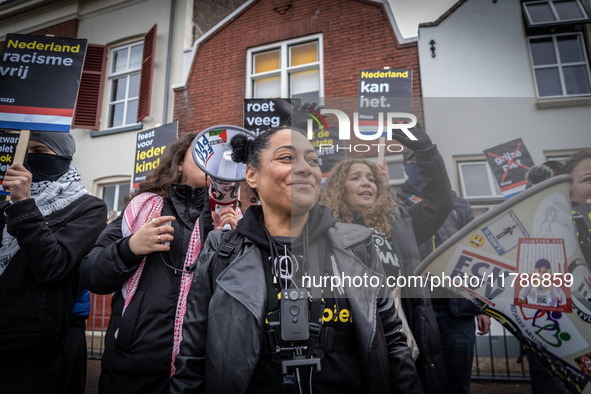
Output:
[[356, 35], [67, 29]]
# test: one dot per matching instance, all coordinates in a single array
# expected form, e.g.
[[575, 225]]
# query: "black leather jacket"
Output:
[[138, 360], [41, 283], [222, 331]]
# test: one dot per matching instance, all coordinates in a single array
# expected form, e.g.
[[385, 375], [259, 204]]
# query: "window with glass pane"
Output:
[[560, 65], [553, 11], [477, 180], [287, 69], [114, 195], [126, 63]]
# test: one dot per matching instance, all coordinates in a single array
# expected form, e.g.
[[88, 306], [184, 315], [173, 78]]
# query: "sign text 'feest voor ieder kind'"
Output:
[[150, 147], [39, 80]]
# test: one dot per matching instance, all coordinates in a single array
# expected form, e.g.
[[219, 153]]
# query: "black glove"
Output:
[[422, 139], [299, 117]]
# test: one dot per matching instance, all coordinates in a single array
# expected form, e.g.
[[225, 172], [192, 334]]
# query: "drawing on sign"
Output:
[[541, 263], [504, 233], [551, 330], [553, 220]]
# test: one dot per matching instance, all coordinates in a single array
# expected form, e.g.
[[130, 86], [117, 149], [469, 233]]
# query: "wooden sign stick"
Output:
[[21, 148]]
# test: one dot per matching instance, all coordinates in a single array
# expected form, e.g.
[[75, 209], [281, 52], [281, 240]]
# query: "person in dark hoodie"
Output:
[[142, 257], [48, 227], [357, 192], [231, 336], [454, 314]]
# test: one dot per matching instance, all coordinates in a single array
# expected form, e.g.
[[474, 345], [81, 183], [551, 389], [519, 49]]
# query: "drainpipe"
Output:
[[168, 61]]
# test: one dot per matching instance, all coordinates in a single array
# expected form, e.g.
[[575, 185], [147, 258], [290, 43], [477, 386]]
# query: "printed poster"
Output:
[[543, 262]]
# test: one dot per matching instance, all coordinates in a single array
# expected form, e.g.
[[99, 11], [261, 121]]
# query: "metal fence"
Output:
[[495, 355], [96, 325]]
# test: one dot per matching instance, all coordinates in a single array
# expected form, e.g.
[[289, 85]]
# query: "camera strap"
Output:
[[315, 257]]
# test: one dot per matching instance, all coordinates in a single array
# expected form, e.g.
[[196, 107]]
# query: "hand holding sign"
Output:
[[17, 182], [423, 141]]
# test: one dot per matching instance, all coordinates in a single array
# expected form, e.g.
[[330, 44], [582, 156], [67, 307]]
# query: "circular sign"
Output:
[[213, 155]]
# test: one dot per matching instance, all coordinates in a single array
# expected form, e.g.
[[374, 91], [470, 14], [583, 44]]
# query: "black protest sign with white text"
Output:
[[39, 71], [263, 114], [150, 147], [509, 163], [386, 90]]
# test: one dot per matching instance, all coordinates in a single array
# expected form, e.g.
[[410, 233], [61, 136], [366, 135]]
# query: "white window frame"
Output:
[[111, 76], [488, 207], [100, 184], [556, 16], [491, 181], [284, 71], [392, 159], [559, 65]]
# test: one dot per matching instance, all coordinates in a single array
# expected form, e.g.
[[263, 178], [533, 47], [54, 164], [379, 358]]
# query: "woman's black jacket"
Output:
[[41, 283], [139, 359]]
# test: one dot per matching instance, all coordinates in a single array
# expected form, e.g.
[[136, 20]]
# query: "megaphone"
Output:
[[213, 155]]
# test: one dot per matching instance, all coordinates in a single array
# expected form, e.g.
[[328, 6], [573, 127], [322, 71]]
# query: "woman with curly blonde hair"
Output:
[[376, 215], [357, 191]]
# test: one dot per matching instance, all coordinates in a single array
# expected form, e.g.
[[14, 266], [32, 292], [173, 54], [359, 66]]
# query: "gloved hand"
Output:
[[423, 141], [299, 115]]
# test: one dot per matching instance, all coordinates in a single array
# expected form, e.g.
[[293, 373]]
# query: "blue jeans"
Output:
[[457, 339]]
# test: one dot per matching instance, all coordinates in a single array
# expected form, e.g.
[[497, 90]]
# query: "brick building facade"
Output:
[[356, 34]]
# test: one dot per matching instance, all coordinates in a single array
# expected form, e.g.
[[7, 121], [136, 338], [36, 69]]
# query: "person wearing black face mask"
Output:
[[49, 225]]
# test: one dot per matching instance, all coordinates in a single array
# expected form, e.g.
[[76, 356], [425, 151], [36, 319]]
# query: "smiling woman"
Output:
[[288, 236]]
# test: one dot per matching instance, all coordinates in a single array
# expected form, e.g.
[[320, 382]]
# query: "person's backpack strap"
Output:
[[229, 246]]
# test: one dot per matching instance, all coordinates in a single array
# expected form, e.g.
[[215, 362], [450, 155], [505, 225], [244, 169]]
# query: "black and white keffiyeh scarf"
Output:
[[49, 197]]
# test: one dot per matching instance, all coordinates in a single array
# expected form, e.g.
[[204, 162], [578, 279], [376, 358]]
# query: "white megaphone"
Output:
[[213, 155]]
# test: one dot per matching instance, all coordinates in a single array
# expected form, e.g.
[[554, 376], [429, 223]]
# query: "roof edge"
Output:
[[208, 34], [401, 40], [444, 15], [399, 37]]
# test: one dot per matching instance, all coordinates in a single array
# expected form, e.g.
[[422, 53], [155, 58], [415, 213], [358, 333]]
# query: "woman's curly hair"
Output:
[[333, 196]]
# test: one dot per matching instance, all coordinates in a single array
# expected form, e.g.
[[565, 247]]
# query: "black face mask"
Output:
[[46, 167]]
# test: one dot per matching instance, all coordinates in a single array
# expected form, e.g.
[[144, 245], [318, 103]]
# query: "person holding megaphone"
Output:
[[144, 256], [254, 324]]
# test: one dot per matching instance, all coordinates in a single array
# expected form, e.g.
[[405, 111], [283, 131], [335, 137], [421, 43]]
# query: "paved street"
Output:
[[94, 370]]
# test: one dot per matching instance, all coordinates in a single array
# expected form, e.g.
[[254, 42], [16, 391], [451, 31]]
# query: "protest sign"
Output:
[[8, 144], [39, 79], [150, 146], [383, 91], [509, 163], [263, 114], [522, 264]]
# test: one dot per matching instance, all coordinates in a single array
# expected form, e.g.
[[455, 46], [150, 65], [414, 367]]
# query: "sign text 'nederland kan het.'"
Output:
[[39, 80]]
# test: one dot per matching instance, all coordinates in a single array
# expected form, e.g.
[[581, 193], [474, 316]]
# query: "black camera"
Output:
[[294, 315]]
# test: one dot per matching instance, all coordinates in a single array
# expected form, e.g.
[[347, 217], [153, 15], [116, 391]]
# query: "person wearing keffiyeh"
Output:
[[143, 257], [48, 226]]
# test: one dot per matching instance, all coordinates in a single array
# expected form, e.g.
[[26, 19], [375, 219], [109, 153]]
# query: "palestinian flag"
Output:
[[218, 137]]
